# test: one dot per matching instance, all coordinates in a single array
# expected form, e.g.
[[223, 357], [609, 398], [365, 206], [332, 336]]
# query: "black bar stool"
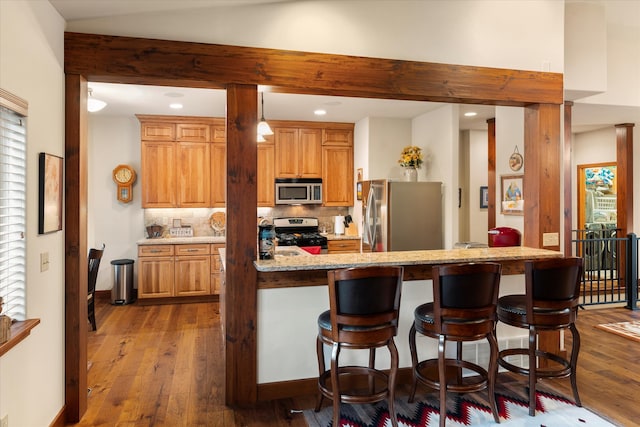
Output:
[[364, 309], [463, 309], [550, 303]]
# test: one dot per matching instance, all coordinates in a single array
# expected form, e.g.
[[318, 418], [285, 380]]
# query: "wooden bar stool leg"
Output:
[[335, 379], [575, 348], [414, 361], [442, 374], [533, 366], [392, 383], [321, 368], [492, 373]]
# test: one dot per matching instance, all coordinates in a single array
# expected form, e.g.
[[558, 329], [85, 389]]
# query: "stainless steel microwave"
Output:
[[298, 191]]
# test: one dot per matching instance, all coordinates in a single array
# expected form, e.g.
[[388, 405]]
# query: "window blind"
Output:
[[12, 213]]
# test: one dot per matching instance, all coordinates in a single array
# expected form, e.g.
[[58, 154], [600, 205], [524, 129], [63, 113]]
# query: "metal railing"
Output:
[[610, 266]]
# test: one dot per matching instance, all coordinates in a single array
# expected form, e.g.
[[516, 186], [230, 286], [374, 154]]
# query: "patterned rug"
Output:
[[470, 409], [630, 330]]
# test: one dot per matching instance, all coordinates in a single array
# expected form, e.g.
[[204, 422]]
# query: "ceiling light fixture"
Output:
[[175, 106], [94, 104], [470, 114], [320, 112], [263, 126]]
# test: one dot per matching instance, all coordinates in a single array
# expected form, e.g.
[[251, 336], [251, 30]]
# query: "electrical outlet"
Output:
[[4, 421], [44, 264], [550, 239]]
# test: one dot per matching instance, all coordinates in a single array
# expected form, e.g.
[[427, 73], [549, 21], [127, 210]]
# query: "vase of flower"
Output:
[[410, 174], [411, 160]]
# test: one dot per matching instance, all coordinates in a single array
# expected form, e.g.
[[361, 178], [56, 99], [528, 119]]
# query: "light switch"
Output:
[[44, 261], [550, 239]]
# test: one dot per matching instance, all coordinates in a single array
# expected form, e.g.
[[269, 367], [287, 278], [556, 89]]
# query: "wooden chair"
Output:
[[463, 309], [364, 309], [95, 255], [550, 303]]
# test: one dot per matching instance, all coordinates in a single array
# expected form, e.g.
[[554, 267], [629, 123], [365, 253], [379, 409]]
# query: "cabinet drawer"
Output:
[[155, 250], [195, 249], [337, 246]]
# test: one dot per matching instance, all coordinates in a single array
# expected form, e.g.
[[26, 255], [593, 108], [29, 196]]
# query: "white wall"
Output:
[[509, 134], [478, 176], [466, 32], [113, 141], [437, 133], [32, 373]]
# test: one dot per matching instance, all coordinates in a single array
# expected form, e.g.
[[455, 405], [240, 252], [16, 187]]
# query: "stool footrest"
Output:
[[541, 372], [357, 384], [427, 373]]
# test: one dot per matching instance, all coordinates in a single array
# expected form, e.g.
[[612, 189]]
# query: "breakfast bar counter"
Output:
[[292, 292]]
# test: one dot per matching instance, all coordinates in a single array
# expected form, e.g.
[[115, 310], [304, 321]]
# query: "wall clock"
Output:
[[124, 176]]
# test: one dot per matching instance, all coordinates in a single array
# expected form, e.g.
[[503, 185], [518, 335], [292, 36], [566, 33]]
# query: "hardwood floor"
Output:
[[161, 365]]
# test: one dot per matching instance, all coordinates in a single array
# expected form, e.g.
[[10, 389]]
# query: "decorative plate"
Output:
[[516, 161], [218, 221]]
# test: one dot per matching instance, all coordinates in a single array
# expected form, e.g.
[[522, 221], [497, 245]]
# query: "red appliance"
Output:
[[504, 236]]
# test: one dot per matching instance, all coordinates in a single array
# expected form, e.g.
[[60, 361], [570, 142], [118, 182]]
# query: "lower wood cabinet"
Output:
[[343, 246], [216, 269], [178, 270]]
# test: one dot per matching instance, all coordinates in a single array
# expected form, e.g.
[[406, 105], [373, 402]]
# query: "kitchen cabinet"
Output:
[[177, 270], [194, 174], [192, 270], [183, 161], [337, 167], [343, 246], [158, 174], [218, 175], [155, 271], [298, 152], [217, 274], [266, 174]]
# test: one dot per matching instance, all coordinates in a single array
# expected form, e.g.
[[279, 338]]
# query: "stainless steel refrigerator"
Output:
[[401, 216]]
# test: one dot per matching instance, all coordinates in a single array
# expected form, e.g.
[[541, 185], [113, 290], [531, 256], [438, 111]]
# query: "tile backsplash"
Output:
[[198, 219]]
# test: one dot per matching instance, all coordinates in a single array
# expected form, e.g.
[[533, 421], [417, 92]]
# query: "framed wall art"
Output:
[[484, 197], [50, 186], [511, 195]]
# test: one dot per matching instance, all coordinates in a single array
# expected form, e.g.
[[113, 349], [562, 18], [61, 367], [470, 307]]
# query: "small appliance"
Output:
[[504, 236], [301, 232], [298, 191]]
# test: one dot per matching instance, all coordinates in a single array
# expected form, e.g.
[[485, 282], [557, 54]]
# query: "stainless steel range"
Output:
[[301, 232]]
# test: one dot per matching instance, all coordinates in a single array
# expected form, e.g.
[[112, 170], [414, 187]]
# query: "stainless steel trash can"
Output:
[[122, 291]]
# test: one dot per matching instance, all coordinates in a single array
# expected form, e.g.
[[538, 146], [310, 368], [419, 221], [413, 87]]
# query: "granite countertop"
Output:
[[341, 237], [430, 257], [182, 240]]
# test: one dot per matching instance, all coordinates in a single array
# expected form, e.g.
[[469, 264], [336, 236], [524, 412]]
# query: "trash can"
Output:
[[122, 291]]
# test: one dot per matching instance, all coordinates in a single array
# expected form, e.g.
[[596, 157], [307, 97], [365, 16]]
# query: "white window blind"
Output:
[[12, 213]]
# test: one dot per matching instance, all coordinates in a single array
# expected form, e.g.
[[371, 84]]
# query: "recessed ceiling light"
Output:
[[175, 106], [470, 114], [320, 112]]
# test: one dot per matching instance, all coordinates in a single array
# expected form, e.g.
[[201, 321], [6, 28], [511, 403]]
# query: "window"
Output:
[[12, 205]]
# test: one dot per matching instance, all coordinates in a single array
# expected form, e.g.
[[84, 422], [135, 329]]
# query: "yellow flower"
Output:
[[411, 157]]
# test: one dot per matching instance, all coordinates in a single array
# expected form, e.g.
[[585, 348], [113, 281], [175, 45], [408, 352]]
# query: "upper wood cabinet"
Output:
[[194, 172], [183, 161], [337, 167], [158, 175], [298, 152], [266, 174]]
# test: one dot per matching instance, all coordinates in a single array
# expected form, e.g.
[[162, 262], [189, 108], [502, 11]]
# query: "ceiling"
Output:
[[130, 99]]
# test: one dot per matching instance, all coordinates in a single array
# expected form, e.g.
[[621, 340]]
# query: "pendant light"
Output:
[[94, 104], [263, 126]]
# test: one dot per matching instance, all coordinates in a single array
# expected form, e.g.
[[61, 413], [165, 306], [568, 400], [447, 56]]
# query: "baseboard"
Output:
[[60, 419], [309, 386]]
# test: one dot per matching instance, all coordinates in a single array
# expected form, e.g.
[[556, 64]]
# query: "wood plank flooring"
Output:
[[161, 365]]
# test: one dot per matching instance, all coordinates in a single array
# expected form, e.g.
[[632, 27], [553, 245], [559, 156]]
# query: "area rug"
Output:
[[465, 410], [630, 330]]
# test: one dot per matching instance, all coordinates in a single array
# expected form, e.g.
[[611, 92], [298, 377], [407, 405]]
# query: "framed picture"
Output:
[[511, 195], [359, 190], [484, 197], [50, 193]]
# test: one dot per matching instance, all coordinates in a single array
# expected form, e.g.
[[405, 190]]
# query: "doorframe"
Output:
[[111, 59]]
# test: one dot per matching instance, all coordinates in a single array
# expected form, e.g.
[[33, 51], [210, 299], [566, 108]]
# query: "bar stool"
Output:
[[364, 305], [550, 303], [463, 309]]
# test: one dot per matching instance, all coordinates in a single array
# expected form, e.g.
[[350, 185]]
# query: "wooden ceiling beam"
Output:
[[113, 59]]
